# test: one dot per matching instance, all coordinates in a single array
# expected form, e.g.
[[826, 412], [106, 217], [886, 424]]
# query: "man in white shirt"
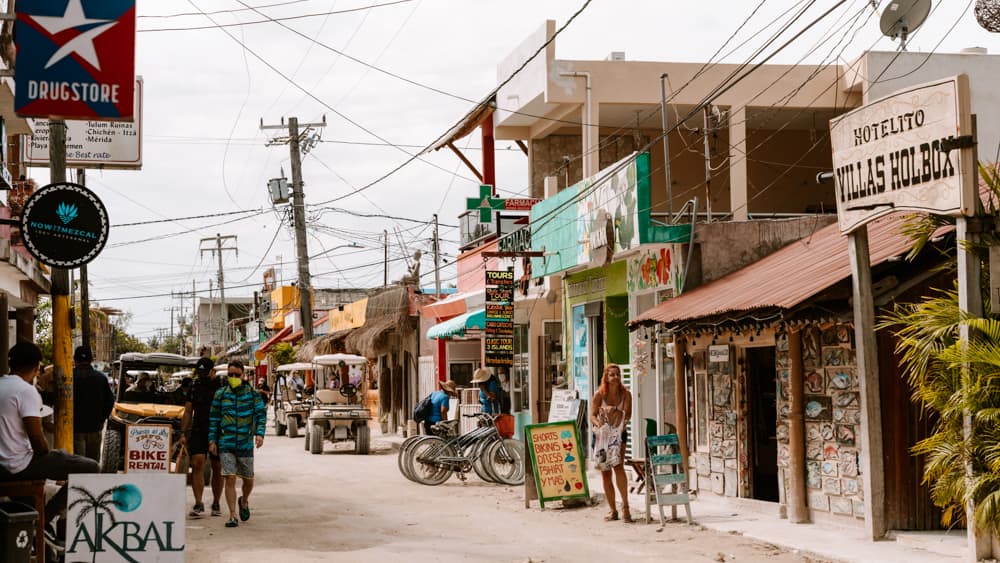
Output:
[[24, 452]]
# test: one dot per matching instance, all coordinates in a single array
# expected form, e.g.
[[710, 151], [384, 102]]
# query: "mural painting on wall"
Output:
[[618, 197], [655, 267]]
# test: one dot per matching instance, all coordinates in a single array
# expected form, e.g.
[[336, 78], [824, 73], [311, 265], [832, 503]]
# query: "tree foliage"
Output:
[[283, 353]]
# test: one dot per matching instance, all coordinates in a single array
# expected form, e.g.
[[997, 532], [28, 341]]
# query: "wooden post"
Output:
[[798, 512], [680, 395], [970, 300], [871, 463]]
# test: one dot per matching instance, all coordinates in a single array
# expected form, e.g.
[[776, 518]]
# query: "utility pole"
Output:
[[437, 261], [81, 179], [298, 216], [708, 166], [62, 338], [194, 317], [385, 261], [217, 251]]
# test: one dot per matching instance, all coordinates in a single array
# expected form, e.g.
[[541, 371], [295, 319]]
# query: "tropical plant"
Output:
[[952, 381], [96, 504], [283, 353]]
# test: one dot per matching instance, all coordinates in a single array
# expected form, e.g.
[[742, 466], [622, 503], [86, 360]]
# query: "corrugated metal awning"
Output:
[[784, 278]]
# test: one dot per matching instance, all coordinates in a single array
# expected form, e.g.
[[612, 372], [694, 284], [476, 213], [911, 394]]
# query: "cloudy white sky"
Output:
[[206, 93]]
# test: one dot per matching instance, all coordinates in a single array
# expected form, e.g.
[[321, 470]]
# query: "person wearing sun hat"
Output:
[[489, 390], [440, 401]]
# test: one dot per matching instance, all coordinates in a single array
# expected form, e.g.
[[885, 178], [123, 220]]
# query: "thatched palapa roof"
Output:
[[326, 344], [387, 311]]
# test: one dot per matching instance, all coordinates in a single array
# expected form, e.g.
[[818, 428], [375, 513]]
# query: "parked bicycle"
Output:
[[431, 460]]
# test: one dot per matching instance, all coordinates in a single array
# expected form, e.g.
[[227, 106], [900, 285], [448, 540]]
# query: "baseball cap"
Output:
[[204, 365], [83, 354]]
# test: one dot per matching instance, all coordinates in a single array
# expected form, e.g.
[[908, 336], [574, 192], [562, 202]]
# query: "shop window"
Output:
[[521, 371], [461, 373]]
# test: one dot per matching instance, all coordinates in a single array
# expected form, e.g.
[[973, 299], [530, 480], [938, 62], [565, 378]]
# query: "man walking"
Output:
[[24, 452], [236, 424], [194, 435], [92, 404]]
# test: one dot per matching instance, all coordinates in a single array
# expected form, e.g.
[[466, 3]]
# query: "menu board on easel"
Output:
[[498, 339], [557, 465]]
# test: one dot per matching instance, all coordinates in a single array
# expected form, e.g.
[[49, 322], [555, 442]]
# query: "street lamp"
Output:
[[329, 250]]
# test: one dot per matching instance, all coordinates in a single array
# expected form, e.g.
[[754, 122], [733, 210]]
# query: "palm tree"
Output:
[[952, 381], [98, 504]]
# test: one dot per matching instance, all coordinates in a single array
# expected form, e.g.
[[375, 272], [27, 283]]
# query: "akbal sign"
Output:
[[893, 154], [75, 59], [125, 518]]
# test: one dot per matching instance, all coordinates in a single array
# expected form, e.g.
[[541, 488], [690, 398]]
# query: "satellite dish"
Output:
[[903, 17]]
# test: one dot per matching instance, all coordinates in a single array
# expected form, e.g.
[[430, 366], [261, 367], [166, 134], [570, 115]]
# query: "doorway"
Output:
[[762, 399]]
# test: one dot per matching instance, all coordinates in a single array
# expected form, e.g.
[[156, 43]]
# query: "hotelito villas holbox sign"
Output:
[[893, 154]]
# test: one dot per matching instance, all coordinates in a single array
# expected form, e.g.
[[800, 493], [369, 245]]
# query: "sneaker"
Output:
[[244, 509], [197, 512], [232, 523], [53, 544], [216, 510]]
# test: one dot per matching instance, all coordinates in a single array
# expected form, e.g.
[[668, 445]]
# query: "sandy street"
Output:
[[343, 507]]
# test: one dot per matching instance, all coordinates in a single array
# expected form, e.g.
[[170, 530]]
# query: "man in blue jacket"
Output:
[[236, 425]]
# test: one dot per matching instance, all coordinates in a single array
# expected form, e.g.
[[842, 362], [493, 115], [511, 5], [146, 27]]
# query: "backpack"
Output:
[[423, 409]]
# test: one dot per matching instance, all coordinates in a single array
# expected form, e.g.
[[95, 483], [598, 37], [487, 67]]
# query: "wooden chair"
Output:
[[666, 481], [35, 489]]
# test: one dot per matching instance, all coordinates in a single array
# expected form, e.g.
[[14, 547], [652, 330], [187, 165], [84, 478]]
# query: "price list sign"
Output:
[[499, 337]]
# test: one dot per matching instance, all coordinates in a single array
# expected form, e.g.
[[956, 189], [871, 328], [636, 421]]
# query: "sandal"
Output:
[[244, 509], [627, 516], [613, 515], [232, 523]]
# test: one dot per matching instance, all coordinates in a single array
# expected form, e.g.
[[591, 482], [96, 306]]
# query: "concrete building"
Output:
[[211, 332]]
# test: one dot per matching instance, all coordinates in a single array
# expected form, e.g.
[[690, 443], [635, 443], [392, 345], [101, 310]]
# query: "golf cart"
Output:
[[338, 410], [148, 400], [292, 410]]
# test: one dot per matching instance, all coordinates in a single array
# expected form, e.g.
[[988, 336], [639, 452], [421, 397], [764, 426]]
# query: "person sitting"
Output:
[[24, 452], [144, 384]]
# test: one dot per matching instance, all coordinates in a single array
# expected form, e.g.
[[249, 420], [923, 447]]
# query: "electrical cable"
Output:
[[217, 25]]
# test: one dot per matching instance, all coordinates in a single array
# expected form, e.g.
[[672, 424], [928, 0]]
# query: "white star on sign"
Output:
[[82, 44]]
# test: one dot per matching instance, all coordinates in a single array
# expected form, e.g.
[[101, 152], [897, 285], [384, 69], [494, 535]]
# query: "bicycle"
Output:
[[432, 460]]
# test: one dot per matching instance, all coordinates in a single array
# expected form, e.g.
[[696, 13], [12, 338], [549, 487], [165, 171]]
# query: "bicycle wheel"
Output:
[[424, 466], [402, 460], [506, 461], [479, 464]]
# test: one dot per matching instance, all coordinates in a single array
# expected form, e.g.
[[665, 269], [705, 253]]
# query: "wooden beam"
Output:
[[468, 164], [520, 144], [798, 512]]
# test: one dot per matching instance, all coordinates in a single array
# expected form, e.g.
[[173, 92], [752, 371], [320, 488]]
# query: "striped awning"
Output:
[[473, 320]]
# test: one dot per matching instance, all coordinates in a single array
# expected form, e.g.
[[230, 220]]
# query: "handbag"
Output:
[[182, 452], [607, 446]]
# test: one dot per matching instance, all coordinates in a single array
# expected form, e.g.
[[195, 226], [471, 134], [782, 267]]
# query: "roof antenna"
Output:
[[903, 17]]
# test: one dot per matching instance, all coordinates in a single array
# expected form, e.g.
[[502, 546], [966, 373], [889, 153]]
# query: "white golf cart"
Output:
[[338, 411], [291, 411]]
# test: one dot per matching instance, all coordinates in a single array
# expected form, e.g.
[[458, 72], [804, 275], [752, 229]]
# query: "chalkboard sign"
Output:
[[557, 462]]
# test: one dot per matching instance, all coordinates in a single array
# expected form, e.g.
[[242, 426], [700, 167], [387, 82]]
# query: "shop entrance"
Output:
[[762, 418]]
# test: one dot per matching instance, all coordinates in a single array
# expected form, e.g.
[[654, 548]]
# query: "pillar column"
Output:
[[795, 496], [738, 197]]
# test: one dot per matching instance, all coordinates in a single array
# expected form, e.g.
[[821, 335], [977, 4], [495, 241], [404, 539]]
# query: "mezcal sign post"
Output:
[[901, 152]]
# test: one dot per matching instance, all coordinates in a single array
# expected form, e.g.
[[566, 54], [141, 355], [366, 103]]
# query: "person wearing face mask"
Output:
[[24, 452], [236, 425]]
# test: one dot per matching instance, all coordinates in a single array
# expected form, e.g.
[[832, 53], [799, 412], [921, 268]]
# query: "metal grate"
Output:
[[627, 382]]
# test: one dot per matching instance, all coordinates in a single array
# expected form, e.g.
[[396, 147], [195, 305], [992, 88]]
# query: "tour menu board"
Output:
[[499, 336]]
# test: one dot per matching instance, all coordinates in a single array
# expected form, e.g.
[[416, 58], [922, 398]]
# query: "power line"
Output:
[[188, 218], [268, 20]]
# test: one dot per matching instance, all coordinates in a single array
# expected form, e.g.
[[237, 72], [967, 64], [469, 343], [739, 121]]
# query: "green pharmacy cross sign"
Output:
[[485, 203]]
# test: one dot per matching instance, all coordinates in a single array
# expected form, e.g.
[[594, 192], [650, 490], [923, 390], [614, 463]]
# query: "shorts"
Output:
[[197, 443], [242, 467]]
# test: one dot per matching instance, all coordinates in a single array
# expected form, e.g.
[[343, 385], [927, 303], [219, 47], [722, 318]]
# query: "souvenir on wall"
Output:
[[818, 408]]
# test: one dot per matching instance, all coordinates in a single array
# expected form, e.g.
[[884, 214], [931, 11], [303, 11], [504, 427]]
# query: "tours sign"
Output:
[[64, 225], [498, 339], [902, 152], [556, 461], [75, 59]]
